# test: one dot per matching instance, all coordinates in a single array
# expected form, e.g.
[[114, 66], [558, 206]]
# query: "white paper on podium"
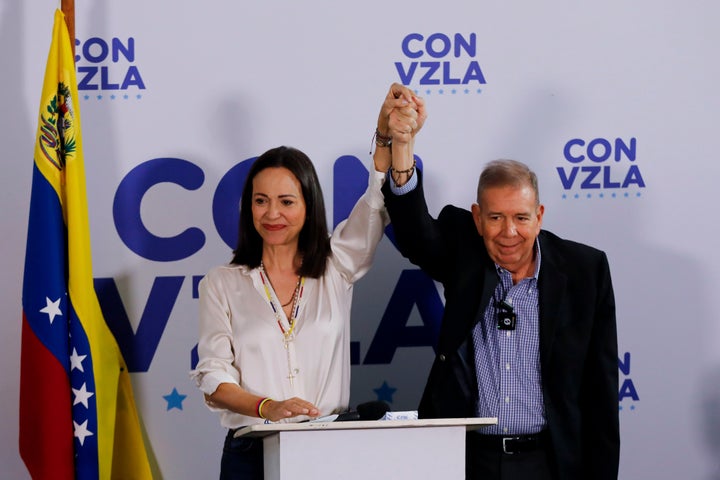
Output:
[[410, 415]]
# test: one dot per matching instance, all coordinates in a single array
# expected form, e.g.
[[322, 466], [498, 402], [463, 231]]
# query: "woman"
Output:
[[275, 323]]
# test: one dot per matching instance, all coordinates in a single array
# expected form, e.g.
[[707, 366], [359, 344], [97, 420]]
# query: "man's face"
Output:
[[509, 220]]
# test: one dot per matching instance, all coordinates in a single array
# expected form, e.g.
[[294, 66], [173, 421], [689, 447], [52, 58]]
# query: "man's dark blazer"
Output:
[[578, 339]]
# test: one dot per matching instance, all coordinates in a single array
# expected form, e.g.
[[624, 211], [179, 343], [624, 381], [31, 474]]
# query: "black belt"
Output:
[[509, 444]]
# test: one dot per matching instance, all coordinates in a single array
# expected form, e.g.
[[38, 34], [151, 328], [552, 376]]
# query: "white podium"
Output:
[[362, 450]]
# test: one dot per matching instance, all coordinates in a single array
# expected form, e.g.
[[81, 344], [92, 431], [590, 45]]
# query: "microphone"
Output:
[[365, 411], [373, 410], [507, 318]]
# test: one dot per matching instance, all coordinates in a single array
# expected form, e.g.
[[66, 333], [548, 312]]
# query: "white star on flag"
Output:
[[52, 309], [81, 431], [76, 361], [82, 395]]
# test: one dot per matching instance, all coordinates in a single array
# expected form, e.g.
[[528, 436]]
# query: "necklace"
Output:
[[288, 335]]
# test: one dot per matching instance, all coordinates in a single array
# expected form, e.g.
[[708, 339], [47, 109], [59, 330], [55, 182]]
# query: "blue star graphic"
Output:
[[385, 392], [174, 400]]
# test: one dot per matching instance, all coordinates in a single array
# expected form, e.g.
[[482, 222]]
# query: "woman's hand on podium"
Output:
[[275, 410]]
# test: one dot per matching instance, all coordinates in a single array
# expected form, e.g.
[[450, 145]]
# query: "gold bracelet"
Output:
[[260, 405]]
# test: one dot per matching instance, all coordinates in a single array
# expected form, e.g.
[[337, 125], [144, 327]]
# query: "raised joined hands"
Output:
[[402, 114]]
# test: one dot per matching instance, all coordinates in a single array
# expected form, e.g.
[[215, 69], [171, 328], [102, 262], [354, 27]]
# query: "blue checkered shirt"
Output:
[[508, 361]]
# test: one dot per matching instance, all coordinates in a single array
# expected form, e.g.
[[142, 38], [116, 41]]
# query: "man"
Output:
[[528, 333]]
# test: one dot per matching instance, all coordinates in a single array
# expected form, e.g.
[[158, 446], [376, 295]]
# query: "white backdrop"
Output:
[[614, 104]]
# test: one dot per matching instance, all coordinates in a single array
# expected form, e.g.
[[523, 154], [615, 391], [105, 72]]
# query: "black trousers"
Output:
[[483, 463], [242, 458]]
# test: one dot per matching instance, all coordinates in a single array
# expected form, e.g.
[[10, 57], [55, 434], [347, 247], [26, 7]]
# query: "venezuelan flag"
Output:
[[77, 412]]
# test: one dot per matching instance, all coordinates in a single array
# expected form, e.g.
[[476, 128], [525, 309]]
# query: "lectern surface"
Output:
[[263, 429]]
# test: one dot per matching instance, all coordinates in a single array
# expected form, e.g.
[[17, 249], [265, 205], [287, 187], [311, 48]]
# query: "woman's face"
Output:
[[278, 206]]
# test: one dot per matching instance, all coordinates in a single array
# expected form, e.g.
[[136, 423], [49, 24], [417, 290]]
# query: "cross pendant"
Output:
[[290, 376]]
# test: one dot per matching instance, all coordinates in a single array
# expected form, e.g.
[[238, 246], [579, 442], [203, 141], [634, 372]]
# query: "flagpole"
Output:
[[68, 8]]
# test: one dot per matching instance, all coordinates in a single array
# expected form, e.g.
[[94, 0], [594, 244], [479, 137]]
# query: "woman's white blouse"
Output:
[[241, 342]]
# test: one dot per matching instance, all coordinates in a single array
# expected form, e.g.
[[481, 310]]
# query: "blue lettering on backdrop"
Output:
[[126, 209], [226, 202], [96, 50], [194, 355], [609, 175], [624, 364], [436, 71], [458, 45], [627, 388], [138, 348], [87, 79], [107, 69], [414, 287], [350, 180]]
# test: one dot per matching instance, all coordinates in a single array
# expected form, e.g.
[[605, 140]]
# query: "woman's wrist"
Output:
[[382, 139], [382, 159], [259, 406]]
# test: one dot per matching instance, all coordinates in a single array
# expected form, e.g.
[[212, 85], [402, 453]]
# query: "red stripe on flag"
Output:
[[46, 428]]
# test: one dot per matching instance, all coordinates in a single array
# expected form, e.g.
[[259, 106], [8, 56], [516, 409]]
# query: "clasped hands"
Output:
[[402, 114]]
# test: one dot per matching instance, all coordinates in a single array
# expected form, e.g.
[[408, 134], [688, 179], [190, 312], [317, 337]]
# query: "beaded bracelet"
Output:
[[260, 404], [409, 172], [380, 140]]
